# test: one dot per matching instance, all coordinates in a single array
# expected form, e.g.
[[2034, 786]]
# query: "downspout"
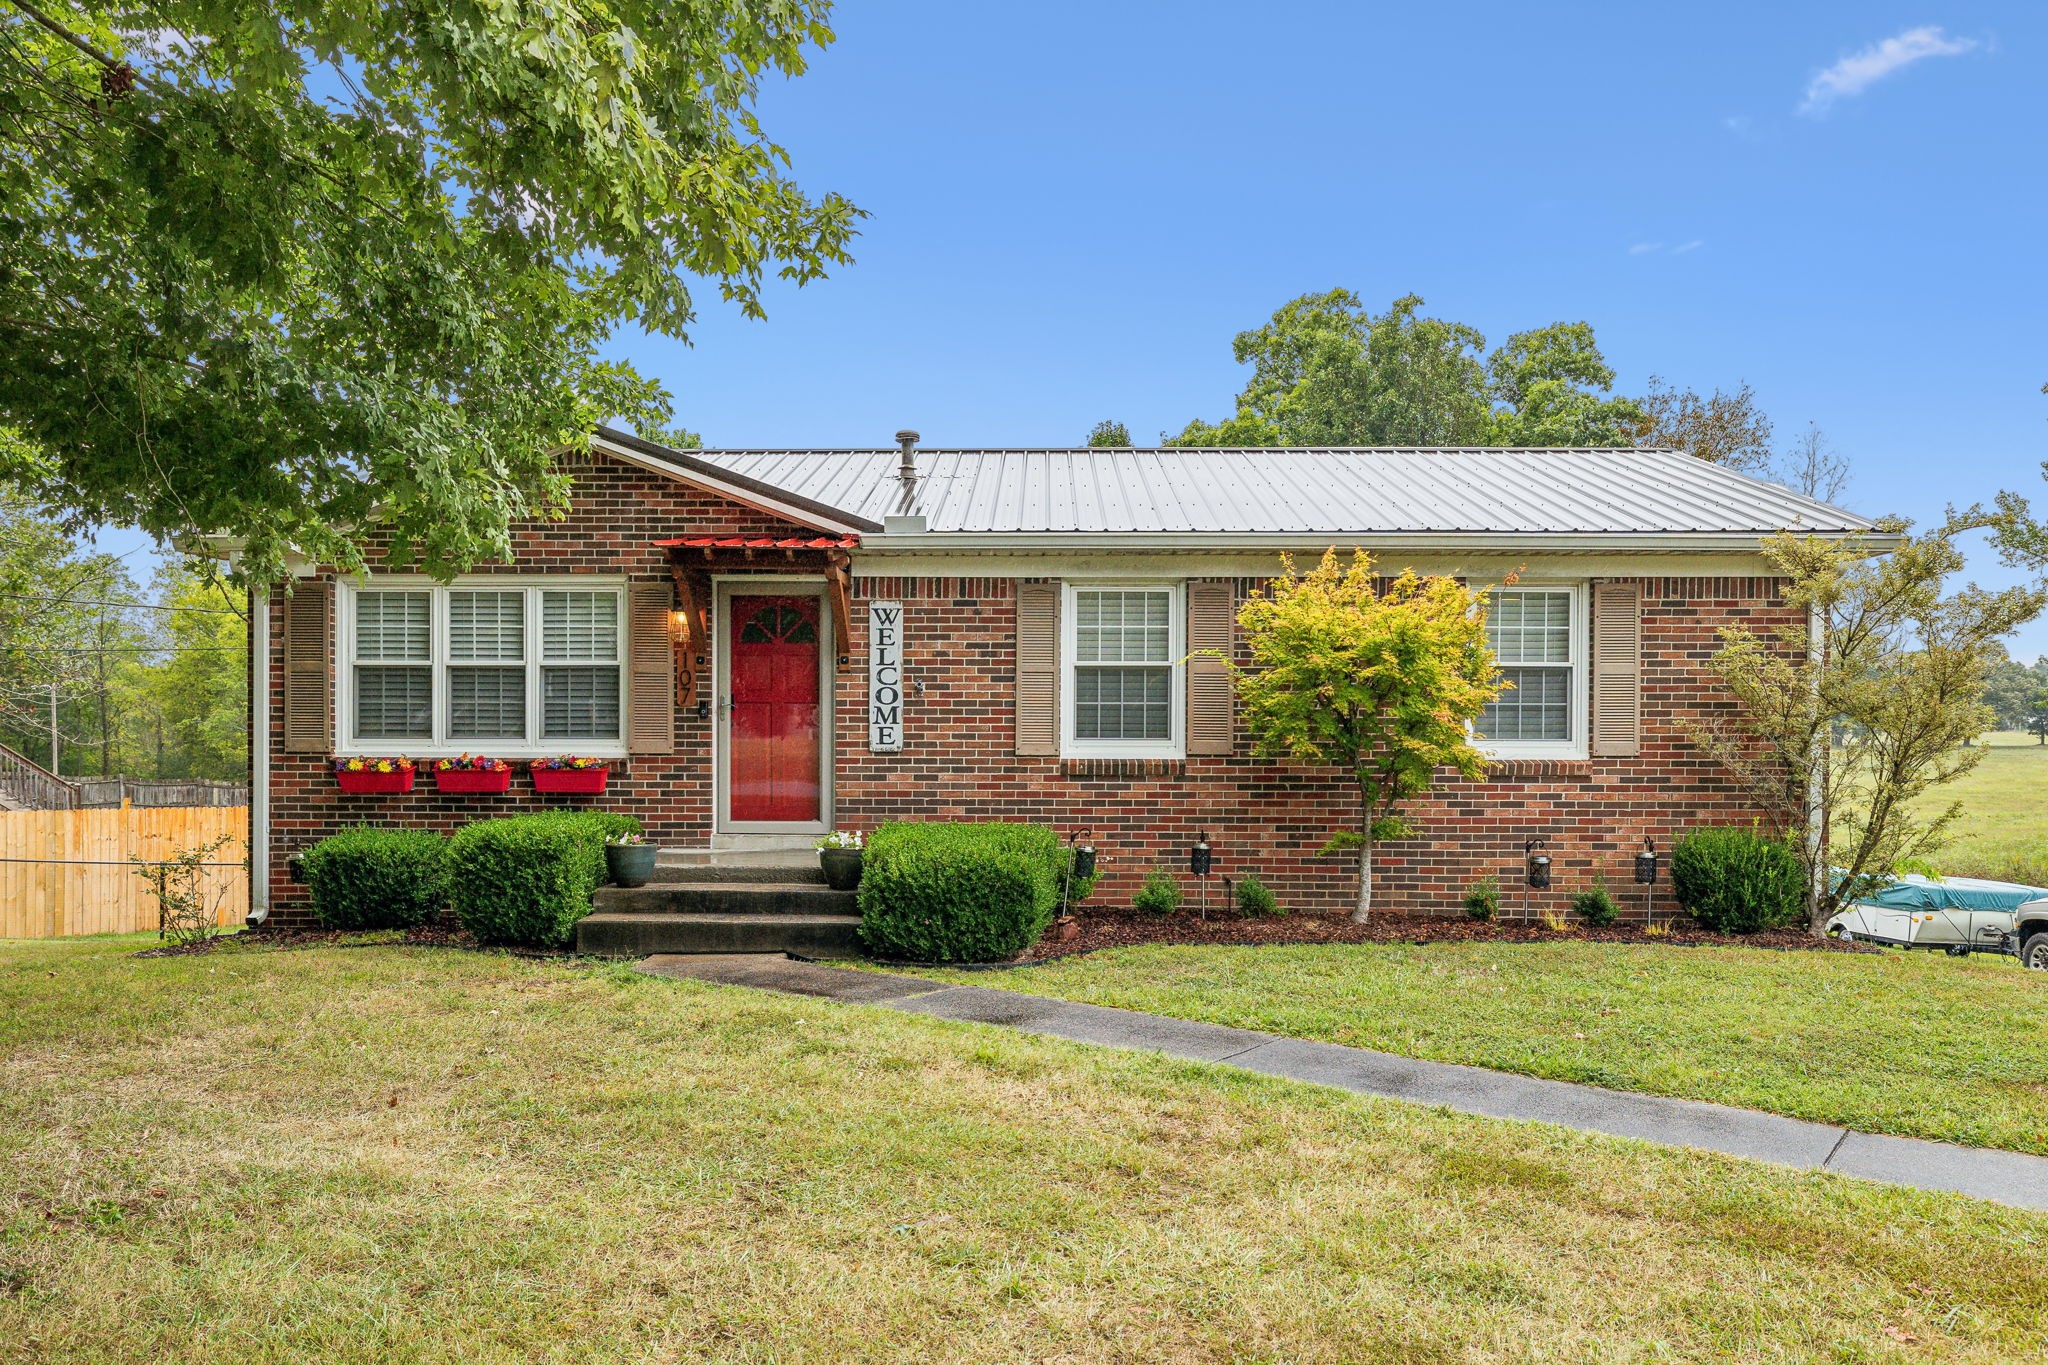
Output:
[[259, 755]]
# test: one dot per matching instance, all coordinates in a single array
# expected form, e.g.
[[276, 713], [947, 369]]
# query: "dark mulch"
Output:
[[1101, 929]]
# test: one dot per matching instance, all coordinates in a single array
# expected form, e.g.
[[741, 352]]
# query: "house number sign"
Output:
[[885, 677]]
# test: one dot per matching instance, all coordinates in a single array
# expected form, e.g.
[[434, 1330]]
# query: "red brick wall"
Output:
[[1270, 818], [957, 763]]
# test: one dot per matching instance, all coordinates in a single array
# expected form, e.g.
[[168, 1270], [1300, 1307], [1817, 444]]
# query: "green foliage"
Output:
[[1550, 383], [958, 892], [1482, 899], [1109, 433], [524, 881], [1254, 900], [1160, 895], [1595, 906], [1875, 717], [1382, 684], [1737, 881], [273, 268], [1328, 372], [368, 878]]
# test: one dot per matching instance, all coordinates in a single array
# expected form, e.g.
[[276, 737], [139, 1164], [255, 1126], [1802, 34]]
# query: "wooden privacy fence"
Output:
[[68, 871]]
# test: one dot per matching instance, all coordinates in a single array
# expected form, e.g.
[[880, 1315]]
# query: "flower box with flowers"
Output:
[[568, 775], [374, 776], [469, 776]]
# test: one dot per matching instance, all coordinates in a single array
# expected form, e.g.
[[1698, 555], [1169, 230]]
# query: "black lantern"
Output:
[[1199, 857], [1538, 864], [295, 869], [1646, 863], [1084, 855]]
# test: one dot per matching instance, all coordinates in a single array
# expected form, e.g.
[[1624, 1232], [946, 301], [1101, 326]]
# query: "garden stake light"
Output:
[[1535, 869], [1199, 861], [1080, 863], [1646, 873]]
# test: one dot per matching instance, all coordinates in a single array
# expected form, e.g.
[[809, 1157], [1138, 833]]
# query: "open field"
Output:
[[385, 1153], [1910, 1043], [2003, 832]]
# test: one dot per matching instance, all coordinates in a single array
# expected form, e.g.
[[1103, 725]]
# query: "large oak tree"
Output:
[[267, 266]]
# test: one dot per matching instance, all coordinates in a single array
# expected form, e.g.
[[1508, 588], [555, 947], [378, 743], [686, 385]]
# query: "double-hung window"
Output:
[[1537, 634], [491, 668], [1123, 674]]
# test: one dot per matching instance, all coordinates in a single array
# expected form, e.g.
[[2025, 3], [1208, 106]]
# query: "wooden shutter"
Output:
[[1211, 612], [1617, 670], [651, 671], [309, 667], [1038, 669]]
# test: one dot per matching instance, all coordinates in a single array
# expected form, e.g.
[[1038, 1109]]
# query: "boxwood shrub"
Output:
[[958, 892], [1737, 881], [367, 878], [524, 881]]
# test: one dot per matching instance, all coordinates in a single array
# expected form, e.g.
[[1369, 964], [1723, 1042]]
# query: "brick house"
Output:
[[768, 644]]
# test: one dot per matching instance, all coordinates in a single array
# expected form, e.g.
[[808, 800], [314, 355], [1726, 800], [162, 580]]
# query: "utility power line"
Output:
[[134, 606]]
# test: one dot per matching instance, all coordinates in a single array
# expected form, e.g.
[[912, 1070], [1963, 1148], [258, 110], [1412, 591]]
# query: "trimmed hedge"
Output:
[[1737, 881], [524, 881], [958, 892], [369, 878]]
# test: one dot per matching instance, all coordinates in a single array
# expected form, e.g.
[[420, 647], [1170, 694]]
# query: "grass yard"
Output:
[[1910, 1043], [2003, 832], [384, 1153]]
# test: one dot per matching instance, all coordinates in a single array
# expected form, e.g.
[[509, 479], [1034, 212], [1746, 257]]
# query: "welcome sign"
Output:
[[885, 677]]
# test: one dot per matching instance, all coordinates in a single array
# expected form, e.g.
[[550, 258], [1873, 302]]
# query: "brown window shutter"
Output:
[[309, 667], [651, 670], [1617, 670], [1211, 611], [1038, 670]]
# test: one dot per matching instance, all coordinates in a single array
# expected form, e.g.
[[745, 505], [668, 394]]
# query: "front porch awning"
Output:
[[691, 574]]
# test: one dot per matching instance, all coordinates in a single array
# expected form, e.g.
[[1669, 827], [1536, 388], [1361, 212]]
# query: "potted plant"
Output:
[[374, 776], [569, 775], [839, 855], [629, 858], [472, 775]]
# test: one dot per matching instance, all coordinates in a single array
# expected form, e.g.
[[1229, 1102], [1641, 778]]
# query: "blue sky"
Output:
[[1075, 206], [1072, 215]]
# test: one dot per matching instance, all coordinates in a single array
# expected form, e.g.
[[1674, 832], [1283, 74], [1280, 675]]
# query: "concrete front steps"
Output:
[[724, 901]]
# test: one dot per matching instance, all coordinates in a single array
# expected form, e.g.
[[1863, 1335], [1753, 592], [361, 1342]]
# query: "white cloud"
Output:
[[1660, 249], [1858, 71], [1694, 245], [1645, 248]]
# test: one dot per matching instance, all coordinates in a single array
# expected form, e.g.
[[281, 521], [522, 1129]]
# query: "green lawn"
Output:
[[393, 1154], [1911, 1043], [2003, 832]]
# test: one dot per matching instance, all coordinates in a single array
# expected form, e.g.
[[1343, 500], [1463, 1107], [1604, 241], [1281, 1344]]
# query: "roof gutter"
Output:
[[1224, 542]]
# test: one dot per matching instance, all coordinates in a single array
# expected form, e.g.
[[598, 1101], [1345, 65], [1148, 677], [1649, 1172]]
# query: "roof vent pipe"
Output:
[[906, 468]]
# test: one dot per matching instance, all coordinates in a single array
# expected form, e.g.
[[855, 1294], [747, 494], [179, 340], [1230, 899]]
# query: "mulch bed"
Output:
[[1132, 928]]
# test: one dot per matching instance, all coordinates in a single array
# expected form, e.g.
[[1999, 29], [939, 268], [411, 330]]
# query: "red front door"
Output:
[[772, 764]]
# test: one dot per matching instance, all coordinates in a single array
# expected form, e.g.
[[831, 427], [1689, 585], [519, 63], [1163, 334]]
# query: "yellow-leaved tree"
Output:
[[1382, 681]]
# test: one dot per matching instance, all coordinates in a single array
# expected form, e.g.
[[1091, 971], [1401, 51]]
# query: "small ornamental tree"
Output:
[[1382, 682]]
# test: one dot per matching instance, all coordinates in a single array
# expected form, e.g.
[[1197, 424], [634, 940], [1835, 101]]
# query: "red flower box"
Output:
[[570, 781], [468, 781], [368, 783]]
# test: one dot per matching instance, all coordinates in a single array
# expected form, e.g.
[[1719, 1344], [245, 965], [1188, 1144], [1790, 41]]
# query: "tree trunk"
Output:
[[1362, 912]]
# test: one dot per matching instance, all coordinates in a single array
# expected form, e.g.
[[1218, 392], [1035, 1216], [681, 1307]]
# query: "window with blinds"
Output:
[[491, 669], [1123, 669], [1534, 634]]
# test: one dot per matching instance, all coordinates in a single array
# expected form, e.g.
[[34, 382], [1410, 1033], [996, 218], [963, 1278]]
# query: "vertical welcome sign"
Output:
[[885, 677]]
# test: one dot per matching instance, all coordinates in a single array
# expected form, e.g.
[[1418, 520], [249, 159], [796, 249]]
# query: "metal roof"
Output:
[[1285, 490]]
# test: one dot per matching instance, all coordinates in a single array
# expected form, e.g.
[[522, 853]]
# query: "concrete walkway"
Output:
[[2006, 1177]]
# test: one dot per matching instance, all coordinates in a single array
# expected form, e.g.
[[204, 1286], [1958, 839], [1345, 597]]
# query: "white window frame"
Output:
[[441, 744], [1175, 744], [1580, 697]]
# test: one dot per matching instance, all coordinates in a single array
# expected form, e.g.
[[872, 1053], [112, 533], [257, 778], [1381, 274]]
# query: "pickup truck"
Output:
[[2030, 932]]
